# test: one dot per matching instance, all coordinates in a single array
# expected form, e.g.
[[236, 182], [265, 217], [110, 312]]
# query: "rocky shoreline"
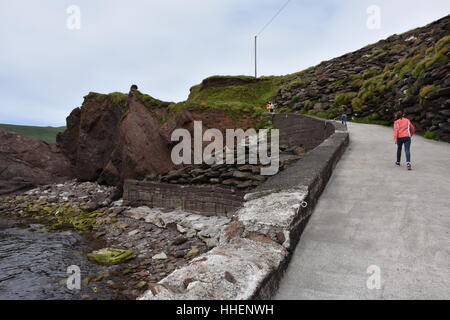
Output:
[[160, 241]]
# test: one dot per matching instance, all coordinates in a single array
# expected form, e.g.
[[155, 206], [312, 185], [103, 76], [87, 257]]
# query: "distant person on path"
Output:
[[344, 118], [270, 107], [403, 131]]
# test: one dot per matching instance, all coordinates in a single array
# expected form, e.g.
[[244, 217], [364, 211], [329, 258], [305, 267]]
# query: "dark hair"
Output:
[[399, 115]]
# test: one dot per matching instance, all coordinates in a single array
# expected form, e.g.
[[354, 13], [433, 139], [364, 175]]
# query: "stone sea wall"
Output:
[[220, 189], [209, 200], [255, 247]]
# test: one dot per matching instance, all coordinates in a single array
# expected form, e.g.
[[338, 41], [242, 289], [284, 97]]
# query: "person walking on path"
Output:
[[344, 117], [403, 131], [270, 106]]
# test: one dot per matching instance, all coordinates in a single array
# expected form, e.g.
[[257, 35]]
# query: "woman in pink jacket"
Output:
[[403, 131]]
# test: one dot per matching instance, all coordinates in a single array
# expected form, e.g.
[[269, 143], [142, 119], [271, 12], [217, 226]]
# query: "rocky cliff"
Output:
[[25, 162], [115, 137]]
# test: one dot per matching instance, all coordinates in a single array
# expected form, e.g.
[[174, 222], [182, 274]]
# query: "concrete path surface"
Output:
[[375, 221]]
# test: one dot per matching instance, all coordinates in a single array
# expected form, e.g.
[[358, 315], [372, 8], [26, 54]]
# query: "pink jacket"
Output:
[[403, 128]]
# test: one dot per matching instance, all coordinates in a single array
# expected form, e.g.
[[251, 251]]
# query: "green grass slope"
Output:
[[42, 133], [251, 96]]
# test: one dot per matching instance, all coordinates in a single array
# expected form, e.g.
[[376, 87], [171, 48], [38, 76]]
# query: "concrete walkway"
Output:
[[373, 213]]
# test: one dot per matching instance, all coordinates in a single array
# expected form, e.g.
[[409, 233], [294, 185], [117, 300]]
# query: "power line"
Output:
[[274, 17], [264, 28]]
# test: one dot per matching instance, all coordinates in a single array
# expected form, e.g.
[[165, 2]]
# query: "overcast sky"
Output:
[[165, 47]]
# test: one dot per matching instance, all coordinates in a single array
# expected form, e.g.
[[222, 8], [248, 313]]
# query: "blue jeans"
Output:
[[407, 142]]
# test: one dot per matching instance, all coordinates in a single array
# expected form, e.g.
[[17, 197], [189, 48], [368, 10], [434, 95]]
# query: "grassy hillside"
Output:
[[42, 133], [407, 72], [357, 91], [235, 93]]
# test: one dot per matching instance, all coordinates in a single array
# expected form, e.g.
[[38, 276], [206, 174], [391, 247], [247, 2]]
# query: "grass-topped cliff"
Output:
[[235, 93], [42, 133]]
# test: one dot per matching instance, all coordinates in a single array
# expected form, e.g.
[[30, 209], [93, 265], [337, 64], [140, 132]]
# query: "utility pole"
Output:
[[256, 64], [264, 28]]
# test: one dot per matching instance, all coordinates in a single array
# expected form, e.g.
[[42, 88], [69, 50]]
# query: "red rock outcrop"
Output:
[[115, 137], [27, 162], [92, 133]]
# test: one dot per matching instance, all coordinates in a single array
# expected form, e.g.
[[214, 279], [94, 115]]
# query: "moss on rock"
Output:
[[110, 256], [430, 135], [344, 98], [425, 91], [56, 215]]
